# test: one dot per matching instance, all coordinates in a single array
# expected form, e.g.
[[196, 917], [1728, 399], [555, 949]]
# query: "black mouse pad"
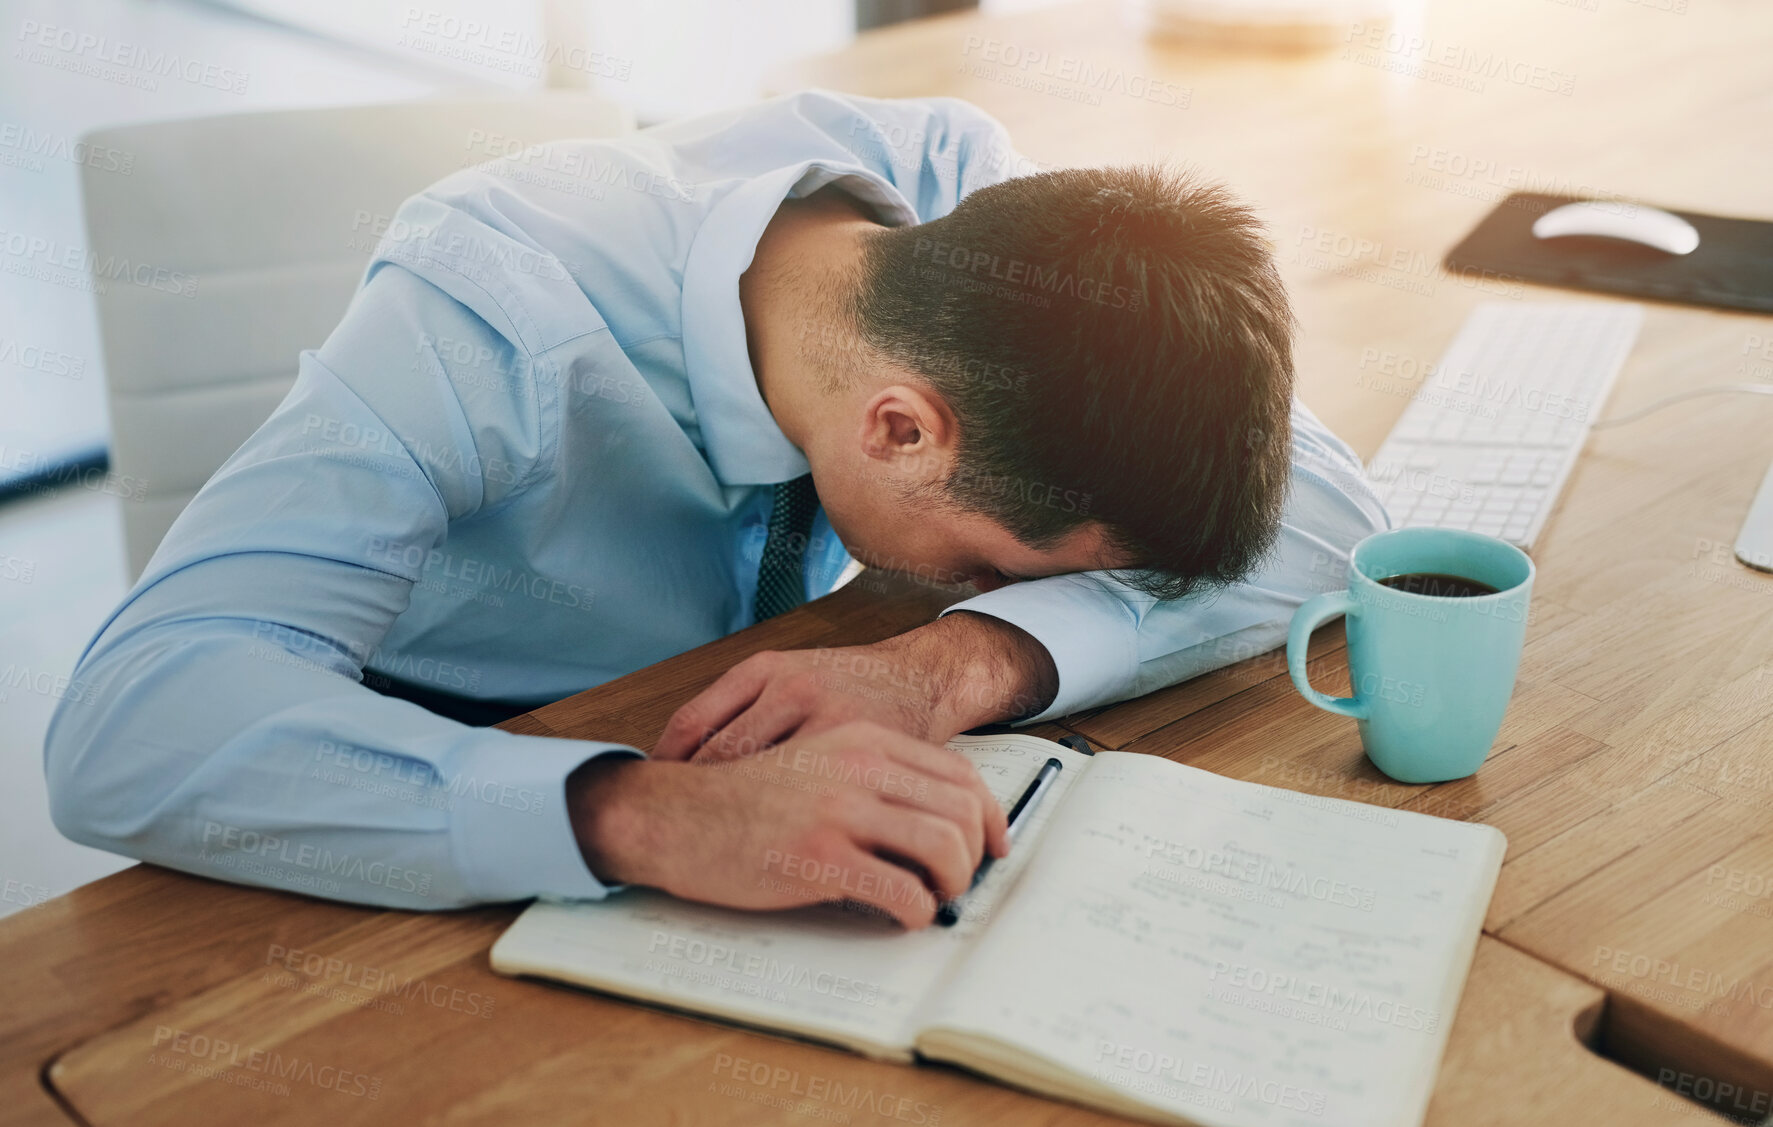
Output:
[[1732, 268]]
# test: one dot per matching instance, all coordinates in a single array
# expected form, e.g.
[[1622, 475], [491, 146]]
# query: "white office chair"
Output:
[[235, 242]]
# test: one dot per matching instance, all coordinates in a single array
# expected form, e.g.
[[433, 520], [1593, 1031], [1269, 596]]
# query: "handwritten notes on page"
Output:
[[1231, 953]]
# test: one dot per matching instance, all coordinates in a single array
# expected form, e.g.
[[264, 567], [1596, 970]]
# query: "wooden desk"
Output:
[[103, 982], [1633, 776]]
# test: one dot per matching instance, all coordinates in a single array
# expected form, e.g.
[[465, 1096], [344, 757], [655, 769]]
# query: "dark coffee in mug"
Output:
[[1438, 584], [1458, 653]]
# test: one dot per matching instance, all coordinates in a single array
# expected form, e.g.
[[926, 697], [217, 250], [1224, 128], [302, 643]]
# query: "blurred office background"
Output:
[[63, 559]]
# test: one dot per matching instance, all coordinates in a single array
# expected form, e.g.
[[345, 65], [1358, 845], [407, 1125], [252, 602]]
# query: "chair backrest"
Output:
[[235, 242]]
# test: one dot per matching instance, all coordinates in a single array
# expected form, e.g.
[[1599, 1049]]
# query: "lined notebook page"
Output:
[[820, 971], [1230, 953]]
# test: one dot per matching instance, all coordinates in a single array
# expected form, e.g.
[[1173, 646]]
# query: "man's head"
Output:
[[1082, 369]]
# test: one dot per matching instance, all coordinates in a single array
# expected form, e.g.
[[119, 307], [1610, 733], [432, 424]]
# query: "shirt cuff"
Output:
[[512, 836], [1091, 635]]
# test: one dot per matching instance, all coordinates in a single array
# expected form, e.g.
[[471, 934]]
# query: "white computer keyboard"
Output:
[[1489, 438]]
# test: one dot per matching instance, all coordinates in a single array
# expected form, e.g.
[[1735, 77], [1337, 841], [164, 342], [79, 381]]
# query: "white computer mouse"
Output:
[[1637, 223]]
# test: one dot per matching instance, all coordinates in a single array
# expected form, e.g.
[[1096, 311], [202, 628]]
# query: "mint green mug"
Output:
[[1431, 672]]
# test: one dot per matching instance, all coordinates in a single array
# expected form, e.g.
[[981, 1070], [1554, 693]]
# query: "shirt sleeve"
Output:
[[1110, 642], [935, 151], [938, 151], [220, 727]]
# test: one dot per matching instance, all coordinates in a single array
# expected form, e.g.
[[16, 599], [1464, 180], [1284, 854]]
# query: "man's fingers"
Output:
[[941, 763], [933, 843], [770, 719], [888, 888], [959, 804], [711, 710]]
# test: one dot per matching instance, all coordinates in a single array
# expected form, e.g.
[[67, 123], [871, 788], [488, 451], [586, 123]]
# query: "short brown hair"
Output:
[[1116, 339]]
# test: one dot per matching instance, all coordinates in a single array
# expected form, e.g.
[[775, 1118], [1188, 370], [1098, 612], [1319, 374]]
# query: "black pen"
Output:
[[949, 913]]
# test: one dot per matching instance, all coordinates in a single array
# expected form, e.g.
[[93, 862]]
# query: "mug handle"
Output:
[[1314, 612]]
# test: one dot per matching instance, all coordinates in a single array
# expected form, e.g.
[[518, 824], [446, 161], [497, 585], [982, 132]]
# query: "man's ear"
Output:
[[912, 430]]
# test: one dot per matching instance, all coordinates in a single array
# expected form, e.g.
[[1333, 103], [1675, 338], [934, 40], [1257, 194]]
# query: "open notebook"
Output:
[[1162, 942]]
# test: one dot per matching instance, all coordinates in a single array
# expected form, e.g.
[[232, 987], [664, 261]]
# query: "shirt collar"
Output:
[[740, 436]]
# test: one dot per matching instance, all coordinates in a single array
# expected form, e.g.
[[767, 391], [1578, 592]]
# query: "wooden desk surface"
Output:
[[1634, 776], [107, 983]]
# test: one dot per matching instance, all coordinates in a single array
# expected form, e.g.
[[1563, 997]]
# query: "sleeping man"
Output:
[[604, 401]]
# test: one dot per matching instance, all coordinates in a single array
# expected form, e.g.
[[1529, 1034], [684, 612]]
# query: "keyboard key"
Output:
[[1489, 462]]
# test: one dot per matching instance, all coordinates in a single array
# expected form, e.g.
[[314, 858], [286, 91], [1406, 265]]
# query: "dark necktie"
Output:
[[781, 585]]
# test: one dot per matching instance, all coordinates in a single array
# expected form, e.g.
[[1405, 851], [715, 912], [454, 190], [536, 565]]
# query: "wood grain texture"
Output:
[[1118, 725], [1516, 1057], [119, 949], [1634, 775], [515, 1051]]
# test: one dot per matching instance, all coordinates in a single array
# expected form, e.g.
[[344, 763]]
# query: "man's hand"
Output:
[[856, 813], [958, 672]]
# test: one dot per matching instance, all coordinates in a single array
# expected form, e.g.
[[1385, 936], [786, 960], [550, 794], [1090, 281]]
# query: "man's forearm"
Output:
[[982, 670], [931, 683], [605, 801]]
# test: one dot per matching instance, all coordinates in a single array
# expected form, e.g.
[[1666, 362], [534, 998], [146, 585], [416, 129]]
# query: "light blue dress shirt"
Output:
[[533, 458]]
